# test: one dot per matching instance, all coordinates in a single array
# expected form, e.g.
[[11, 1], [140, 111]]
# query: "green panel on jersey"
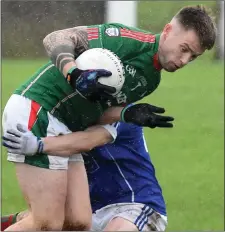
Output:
[[39, 129], [50, 89]]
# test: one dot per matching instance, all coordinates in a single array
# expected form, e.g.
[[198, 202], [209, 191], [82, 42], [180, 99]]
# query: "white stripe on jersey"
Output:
[[40, 74], [145, 144], [126, 181]]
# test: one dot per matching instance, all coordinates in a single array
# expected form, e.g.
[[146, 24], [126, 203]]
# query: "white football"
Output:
[[99, 58]]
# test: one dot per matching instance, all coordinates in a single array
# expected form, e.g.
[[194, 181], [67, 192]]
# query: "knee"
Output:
[[77, 224]]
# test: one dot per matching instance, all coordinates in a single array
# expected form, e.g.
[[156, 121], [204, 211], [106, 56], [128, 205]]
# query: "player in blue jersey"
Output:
[[124, 191], [125, 194]]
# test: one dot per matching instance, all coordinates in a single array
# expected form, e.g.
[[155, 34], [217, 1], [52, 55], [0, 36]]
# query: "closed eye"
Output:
[[184, 49]]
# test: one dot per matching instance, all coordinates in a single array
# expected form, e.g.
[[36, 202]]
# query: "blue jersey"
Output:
[[123, 172]]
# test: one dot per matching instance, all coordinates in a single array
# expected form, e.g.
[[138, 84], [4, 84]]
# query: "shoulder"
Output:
[[128, 130], [124, 27]]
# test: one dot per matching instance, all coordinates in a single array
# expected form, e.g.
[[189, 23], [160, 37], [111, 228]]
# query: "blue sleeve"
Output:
[[130, 135]]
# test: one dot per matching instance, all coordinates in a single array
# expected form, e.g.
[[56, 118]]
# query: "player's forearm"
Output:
[[62, 45], [111, 115], [76, 142]]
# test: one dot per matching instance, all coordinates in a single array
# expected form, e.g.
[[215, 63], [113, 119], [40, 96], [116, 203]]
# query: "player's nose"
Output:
[[184, 60]]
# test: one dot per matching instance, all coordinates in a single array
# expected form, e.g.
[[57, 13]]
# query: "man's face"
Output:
[[178, 47]]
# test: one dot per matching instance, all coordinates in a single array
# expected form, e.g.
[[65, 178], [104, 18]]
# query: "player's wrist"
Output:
[[71, 70], [40, 145], [72, 74], [123, 113]]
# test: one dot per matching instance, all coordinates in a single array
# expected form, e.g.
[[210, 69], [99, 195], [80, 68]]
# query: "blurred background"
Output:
[[189, 159], [25, 23]]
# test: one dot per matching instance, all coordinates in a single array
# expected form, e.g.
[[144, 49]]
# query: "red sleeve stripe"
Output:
[[139, 39], [35, 107], [136, 32], [140, 36], [7, 223], [92, 28], [92, 33]]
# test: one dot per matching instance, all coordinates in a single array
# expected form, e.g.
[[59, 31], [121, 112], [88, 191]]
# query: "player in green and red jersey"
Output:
[[49, 105]]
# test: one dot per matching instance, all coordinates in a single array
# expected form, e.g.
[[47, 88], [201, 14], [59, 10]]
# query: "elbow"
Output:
[[45, 39], [50, 42]]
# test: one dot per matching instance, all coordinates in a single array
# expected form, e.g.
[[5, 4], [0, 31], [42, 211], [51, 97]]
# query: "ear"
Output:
[[166, 30]]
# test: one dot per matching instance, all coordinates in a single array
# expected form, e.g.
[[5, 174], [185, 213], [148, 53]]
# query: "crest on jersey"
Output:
[[112, 31]]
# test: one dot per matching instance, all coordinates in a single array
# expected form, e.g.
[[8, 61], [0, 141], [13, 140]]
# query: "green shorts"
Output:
[[30, 114]]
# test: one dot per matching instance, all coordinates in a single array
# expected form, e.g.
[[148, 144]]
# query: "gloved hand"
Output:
[[144, 114], [86, 83], [22, 141]]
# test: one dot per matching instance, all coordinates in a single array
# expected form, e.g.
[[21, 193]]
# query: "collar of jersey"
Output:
[[156, 63]]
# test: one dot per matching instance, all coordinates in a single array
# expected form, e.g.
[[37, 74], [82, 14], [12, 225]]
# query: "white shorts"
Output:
[[144, 217], [30, 114]]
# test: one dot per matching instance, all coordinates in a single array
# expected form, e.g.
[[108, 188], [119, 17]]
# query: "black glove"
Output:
[[86, 83], [143, 114]]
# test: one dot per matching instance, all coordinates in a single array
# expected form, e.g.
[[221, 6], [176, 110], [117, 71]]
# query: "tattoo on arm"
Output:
[[65, 45]]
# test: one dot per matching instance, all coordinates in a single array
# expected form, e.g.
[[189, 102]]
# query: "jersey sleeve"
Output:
[[112, 131]]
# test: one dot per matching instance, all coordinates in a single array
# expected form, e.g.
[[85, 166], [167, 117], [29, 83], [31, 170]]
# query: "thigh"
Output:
[[120, 224], [78, 207], [128, 216], [117, 217], [44, 190], [137, 217]]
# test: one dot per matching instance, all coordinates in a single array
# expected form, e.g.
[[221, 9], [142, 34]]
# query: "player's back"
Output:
[[123, 172]]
